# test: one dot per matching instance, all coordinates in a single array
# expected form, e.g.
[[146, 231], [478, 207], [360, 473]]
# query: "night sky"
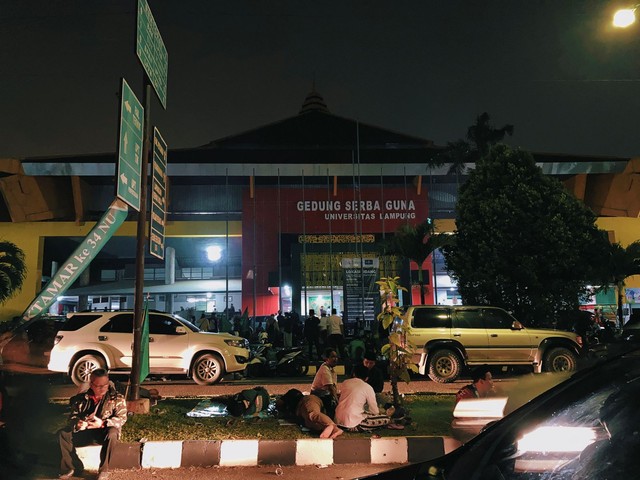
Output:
[[556, 69]]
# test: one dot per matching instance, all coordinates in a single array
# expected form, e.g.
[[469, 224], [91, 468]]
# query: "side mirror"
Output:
[[181, 330], [516, 325]]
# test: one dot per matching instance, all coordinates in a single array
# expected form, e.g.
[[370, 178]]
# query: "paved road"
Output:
[[59, 386]]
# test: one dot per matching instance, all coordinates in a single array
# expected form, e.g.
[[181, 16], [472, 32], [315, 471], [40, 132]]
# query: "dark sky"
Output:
[[553, 68]]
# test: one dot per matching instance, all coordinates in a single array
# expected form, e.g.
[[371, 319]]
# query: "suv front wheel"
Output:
[[82, 368], [207, 369], [559, 359], [444, 366]]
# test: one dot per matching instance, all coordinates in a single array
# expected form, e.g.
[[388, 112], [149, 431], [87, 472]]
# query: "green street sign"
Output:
[[158, 196], [151, 51], [130, 147]]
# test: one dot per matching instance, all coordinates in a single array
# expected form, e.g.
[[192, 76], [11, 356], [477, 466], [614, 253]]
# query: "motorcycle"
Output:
[[266, 360]]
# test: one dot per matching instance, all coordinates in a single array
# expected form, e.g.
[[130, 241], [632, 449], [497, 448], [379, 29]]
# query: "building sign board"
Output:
[[158, 196], [151, 51], [130, 147]]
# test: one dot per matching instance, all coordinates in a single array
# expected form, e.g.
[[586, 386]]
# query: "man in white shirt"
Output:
[[326, 379], [357, 409], [335, 332], [325, 383]]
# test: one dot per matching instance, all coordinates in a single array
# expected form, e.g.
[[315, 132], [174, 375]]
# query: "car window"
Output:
[[431, 318], [496, 318], [162, 325], [467, 318], [76, 322], [586, 429], [121, 323]]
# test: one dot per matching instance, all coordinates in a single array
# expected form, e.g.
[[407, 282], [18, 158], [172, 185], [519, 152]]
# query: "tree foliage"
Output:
[[481, 136], [416, 243], [523, 242], [621, 263], [399, 350], [13, 270]]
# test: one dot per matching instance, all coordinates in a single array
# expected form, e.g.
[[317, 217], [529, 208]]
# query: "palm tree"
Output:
[[13, 270], [416, 243], [623, 263], [481, 136]]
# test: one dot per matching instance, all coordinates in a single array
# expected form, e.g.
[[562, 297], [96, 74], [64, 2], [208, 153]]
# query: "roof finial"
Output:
[[314, 101]]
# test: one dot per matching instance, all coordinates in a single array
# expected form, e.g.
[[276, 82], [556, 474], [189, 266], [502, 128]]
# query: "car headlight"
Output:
[[239, 343]]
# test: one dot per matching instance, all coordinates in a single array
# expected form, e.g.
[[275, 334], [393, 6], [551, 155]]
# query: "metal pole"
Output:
[[141, 240], [279, 249], [226, 274]]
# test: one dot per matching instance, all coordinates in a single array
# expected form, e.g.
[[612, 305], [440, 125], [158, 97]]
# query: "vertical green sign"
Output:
[[130, 147], [158, 196], [151, 51]]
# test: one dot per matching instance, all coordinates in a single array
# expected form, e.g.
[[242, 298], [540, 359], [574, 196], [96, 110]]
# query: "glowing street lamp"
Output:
[[625, 17]]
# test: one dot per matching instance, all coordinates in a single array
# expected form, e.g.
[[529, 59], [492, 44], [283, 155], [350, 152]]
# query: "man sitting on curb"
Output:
[[481, 387], [97, 416], [357, 409]]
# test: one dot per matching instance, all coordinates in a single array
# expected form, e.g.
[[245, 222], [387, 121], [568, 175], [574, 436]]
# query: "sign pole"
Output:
[[141, 241]]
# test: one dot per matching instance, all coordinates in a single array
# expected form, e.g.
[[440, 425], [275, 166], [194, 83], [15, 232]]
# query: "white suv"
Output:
[[90, 340]]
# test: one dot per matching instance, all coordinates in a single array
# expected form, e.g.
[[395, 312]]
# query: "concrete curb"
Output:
[[233, 453]]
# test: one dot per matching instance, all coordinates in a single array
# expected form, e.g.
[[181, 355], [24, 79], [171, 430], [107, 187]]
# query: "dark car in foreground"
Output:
[[587, 427]]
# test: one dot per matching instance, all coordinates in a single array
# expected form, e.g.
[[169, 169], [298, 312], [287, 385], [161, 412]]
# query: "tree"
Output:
[[481, 136], [416, 243], [399, 350], [523, 242], [13, 270], [623, 263]]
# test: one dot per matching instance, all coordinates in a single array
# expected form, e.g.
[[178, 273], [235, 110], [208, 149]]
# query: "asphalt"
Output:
[[254, 452]]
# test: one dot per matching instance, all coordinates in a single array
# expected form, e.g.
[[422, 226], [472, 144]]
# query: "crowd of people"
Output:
[[331, 409]]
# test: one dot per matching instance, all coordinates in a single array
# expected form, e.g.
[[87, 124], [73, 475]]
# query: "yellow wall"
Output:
[[30, 236], [626, 230]]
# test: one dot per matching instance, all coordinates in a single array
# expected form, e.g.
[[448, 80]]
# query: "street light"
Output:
[[625, 17]]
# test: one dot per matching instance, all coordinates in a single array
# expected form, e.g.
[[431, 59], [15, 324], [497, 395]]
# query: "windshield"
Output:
[[588, 427]]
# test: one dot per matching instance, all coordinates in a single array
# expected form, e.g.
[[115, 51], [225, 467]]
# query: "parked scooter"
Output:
[[267, 360]]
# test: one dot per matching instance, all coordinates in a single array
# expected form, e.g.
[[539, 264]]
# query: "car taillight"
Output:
[[57, 339]]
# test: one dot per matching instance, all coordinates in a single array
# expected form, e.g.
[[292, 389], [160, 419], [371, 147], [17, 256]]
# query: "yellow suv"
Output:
[[449, 338]]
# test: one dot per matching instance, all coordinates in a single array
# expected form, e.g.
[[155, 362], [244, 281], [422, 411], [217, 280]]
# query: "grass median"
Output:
[[429, 415]]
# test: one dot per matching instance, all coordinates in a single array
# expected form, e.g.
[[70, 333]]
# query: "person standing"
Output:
[[323, 330], [312, 333], [203, 323], [97, 416], [357, 409], [286, 326], [335, 331]]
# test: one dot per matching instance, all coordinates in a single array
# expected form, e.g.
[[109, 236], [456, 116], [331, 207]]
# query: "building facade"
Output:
[[298, 210]]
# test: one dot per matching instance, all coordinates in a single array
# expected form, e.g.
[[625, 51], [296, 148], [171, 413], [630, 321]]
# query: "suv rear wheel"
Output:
[[207, 369], [82, 368], [444, 366], [559, 359]]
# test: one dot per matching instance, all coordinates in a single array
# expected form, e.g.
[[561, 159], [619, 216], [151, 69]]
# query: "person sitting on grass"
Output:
[[357, 409], [325, 383], [308, 410], [481, 387]]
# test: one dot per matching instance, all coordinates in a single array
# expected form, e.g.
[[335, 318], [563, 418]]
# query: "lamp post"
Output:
[[624, 17]]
